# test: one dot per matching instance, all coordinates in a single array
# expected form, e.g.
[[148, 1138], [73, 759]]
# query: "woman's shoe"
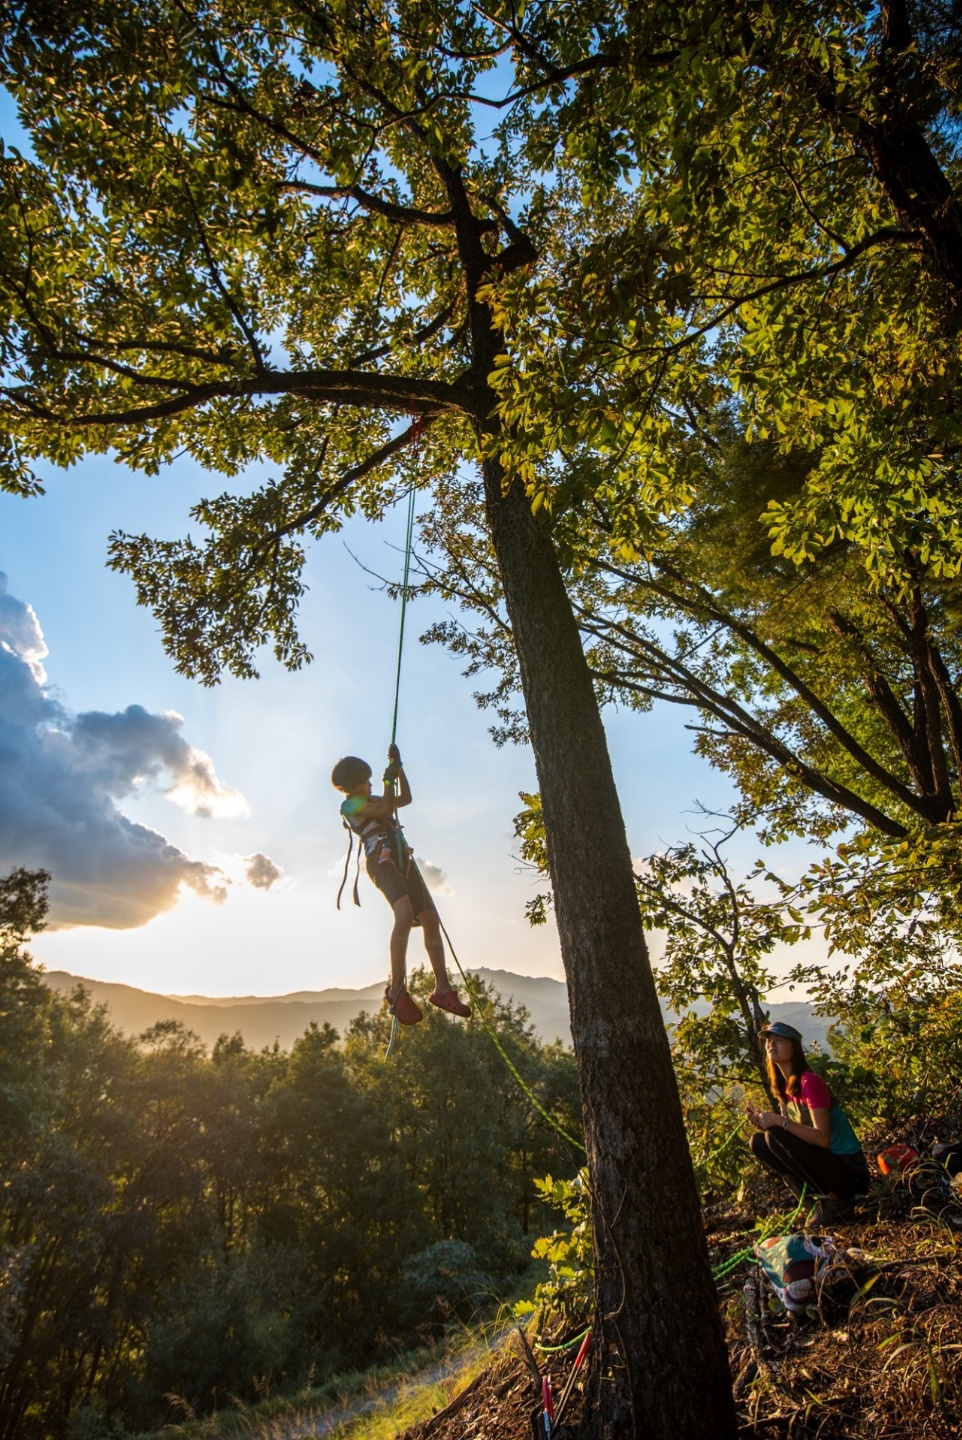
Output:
[[451, 1002], [831, 1212], [403, 1007]]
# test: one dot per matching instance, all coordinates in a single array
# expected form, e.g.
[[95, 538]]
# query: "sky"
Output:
[[193, 834]]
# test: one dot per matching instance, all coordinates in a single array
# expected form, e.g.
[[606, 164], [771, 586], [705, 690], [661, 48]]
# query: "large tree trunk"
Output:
[[657, 1318]]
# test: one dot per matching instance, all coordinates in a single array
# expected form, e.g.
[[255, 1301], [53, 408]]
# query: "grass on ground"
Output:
[[376, 1404]]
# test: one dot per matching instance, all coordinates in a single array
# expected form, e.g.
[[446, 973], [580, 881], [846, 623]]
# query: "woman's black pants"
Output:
[[800, 1163]]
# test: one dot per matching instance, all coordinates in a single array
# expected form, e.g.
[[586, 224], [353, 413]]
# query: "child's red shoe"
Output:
[[451, 1002], [404, 1008]]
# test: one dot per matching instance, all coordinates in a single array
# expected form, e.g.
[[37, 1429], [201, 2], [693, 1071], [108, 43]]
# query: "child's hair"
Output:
[[349, 773]]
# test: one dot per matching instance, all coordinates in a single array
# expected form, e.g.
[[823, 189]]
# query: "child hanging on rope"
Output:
[[390, 864]]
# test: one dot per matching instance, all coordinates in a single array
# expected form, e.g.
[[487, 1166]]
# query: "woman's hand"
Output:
[[766, 1119]]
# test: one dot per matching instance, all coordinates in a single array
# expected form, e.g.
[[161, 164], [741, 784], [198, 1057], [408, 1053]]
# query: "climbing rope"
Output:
[[408, 543], [468, 985], [706, 1161], [417, 426], [722, 1271], [395, 1032], [412, 495], [559, 1349]]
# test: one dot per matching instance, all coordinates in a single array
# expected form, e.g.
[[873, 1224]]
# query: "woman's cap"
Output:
[[787, 1032]]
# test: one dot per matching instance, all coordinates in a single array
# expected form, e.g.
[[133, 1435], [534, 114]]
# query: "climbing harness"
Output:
[[347, 864]]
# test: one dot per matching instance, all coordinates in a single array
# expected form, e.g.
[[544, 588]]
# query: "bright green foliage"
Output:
[[237, 240], [563, 1298], [718, 938], [825, 697], [895, 983], [898, 1048], [711, 205], [775, 230]]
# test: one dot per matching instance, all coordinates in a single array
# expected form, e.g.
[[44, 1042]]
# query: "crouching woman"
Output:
[[808, 1141]]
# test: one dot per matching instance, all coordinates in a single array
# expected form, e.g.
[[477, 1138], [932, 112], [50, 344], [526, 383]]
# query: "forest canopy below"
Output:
[[207, 1224]]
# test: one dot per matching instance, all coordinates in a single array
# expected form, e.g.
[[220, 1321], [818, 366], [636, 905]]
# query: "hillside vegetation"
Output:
[[185, 1232], [181, 1227]]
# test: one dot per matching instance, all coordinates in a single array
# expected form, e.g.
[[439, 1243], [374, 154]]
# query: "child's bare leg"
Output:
[[403, 920], [434, 945]]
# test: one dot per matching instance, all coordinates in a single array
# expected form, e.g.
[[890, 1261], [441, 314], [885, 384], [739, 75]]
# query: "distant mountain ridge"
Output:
[[264, 1020]]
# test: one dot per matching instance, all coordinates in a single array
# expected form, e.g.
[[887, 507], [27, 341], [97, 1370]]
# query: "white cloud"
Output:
[[434, 876], [20, 632], [132, 746], [60, 778], [262, 872]]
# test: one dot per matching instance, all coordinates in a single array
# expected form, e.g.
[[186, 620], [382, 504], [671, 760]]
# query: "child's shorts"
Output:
[[394, 886]]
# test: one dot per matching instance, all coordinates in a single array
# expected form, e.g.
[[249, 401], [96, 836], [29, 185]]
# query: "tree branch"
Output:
[[846, 739], [343, 483], [343, 387], [222, 289], [403, 215], [426, 332], [741, 722]]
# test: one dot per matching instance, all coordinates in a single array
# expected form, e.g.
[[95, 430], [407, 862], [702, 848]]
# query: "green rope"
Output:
[[568, 1345], [412, 495], [703, 1164], [722, 1271], [405, 585], [576, 1144]]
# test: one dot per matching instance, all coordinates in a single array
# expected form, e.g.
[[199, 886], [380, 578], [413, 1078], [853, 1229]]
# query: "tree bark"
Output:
[[656, 1320]]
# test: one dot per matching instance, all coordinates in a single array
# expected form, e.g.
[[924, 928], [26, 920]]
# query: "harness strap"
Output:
[[347, 865]]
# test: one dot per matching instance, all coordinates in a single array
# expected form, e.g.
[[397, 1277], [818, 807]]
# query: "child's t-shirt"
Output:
[[377, 836]]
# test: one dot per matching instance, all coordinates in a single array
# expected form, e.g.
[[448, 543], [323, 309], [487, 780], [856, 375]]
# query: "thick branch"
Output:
[[343, 387], [884, 697], [741, 722], [554, 74], [942, 799], [402, 215], [886, 236], [684, 913]]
